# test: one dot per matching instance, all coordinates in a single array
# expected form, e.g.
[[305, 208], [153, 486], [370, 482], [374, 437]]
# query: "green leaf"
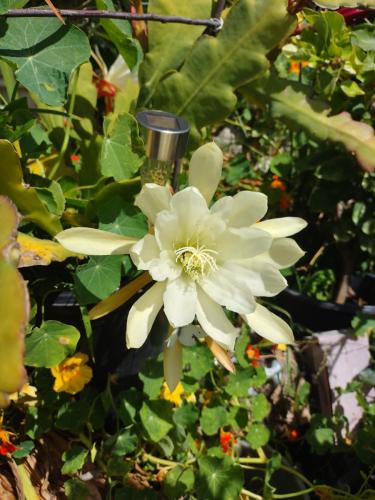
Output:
[[178, 482], [212, 419], [45, 53], [25, 197], [38, 421], [240, 382], [156, 417], [260, 407], [75, 489], [50, 193], [123, 443], [351, 88], [186, 415], [128, 403], [238, 417], [118, 216], [117, 466], [219, 479], [120, 33], [98, 278], [23, 449], [199, 360], [74, 459], [168, 44], [50, 344], [11, 4], [152, 377], [364, 38], [291, 104], [122, 151], [72, 416], [258, 436], [363, 325], [241, 346], [203, 91]]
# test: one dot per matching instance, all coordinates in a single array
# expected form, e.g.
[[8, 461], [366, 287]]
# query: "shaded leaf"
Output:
[[74, 459], [219, 479], [212, 419], [178, 482], [156, 417]]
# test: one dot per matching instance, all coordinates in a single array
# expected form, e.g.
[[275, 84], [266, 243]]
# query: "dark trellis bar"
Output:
[[213, 23]]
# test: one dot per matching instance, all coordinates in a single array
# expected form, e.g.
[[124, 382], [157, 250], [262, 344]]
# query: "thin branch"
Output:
[[220, 4], [212, 23]]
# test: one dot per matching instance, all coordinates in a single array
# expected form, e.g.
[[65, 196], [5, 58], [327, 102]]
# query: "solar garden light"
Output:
[[166, 137]]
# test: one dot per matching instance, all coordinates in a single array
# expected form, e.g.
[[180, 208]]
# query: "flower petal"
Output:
[[172, 361], [90, 241], [165, 267], [214, 322], [235, 244], [144, 252], [153, 199], [167, 230], [180, 301], [227, 287], [283, 226], [190, 208], [285, 252], [269, 326], [243, 210], [142, 315], [205, 169]]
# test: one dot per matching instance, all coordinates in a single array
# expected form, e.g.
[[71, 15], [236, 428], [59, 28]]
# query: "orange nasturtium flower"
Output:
[[175, 396], [253, 353], [72, 374], [6, 446], [296, 66], [285, 202], [277, 183], [227, 440]]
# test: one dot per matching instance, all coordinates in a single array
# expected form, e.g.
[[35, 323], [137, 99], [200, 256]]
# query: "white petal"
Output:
[[90, 241], [144, 252], [285, 252], [284, 226], [165, 267], [269, 326], [172, 360], [260, 280], [168, 231], [245, 243], [190, 207], [214, 322], [142, 315], [119, 73], [180, 301], [153, 199], [227, 287], [188, 335], [243, 210], [205, 169]]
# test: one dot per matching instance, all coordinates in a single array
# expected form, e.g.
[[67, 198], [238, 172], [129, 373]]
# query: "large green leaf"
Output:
[[120, 33], [168, 44], [122, 149], [212, 419], [14, 304], [45, 53], [50, 344], [336, 4], [156, 417], [204, 90], [24, 196], [290, 103], [219, 479], [11, 4]]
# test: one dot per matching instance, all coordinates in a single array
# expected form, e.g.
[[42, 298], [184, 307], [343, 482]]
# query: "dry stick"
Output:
[[213, 22]]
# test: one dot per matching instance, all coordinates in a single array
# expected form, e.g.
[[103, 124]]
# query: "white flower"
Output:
[[202, 259]]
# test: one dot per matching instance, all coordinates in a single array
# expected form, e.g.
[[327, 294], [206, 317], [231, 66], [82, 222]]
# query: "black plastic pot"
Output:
[[320, 316]]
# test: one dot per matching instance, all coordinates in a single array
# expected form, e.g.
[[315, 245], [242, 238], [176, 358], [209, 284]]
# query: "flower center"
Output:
[[197, 261]]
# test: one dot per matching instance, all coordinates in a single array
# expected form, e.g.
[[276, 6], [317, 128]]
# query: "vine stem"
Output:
[[213, 23], [251, 495], [65, 143]]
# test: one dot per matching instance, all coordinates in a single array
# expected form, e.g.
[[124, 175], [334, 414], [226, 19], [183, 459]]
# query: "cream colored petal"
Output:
[[227, 287], [142, 315], [90, 241], [282, 227], [167, 230], [165, 267], [172, 361], [144, 252], [190, 208], [285, 252], [214, 322], [269, 326], [243, 210], [153, 199], [180, 301], [205, 169], [245, 243]]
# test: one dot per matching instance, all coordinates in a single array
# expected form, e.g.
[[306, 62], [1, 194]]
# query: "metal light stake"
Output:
[[166, 137]]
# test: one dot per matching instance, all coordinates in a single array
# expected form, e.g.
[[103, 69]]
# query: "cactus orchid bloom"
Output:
[[203, 258]]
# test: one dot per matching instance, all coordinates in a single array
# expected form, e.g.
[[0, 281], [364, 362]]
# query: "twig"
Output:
[[213, 23]]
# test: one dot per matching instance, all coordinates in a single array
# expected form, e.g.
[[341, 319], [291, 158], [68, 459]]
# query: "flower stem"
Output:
[[159, 461]]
